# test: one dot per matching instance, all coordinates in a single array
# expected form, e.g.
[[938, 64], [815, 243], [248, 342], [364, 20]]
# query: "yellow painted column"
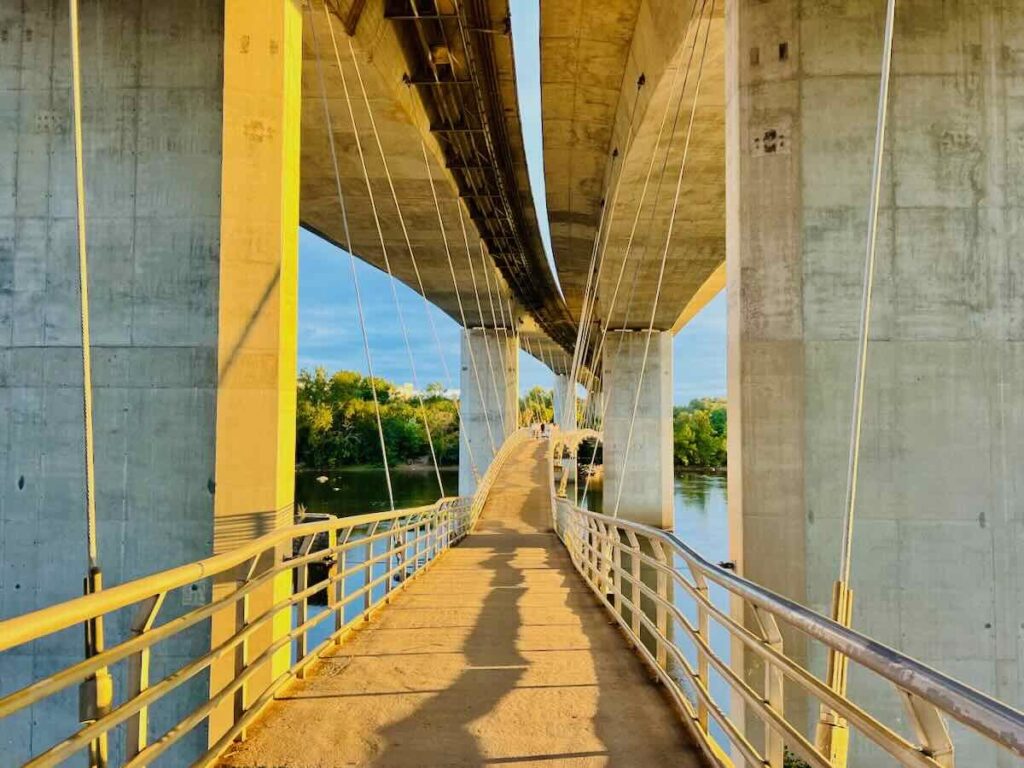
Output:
[[255, 454]]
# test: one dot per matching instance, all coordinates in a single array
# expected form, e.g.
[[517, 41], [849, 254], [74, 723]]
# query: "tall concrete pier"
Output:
[[939, 527], [190, 131], [489, 387], [645, 472]]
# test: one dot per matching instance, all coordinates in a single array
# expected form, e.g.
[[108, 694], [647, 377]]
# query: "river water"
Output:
[[701, 512]]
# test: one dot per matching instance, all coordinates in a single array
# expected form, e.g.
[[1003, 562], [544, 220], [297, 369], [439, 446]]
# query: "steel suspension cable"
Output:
[[832, 733], [602, 407], [484, 268], [462, 311], [857, 417], [650, 170], [100, 698], [664, 256], [348, 245], [599, 411], [380, 234], [510, 335], [480, 314], [92, 549]]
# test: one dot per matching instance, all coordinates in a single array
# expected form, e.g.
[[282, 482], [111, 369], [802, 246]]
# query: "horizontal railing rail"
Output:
[[637, 572], [379, 552]]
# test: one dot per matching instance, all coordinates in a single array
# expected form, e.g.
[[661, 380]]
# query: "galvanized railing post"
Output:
[[634, 574], [704, 629], [241, 697], [338, 589], [930, 728], [617, 572], [137, 733], [774, 692], [302, 641], [660, 611], [368, 592]]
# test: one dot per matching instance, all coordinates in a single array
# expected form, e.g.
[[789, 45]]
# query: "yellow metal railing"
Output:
[[357, 563], [660, 592]]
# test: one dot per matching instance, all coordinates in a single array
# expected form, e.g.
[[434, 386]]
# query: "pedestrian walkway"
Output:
[[498, 655]]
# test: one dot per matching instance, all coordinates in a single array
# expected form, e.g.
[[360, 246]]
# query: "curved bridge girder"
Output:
[[592, 57], [443, 82]]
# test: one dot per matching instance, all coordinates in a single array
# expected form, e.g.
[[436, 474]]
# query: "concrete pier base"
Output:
[[489, 399], [645, 476]]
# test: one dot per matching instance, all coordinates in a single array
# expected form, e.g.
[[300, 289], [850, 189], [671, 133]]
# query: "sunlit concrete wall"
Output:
[[937, 571], [191, 299]]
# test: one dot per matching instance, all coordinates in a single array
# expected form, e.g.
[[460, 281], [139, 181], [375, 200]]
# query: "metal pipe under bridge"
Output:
[[480, 630]]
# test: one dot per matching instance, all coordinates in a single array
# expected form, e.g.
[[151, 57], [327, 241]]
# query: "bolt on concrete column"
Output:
[[489, 399], [646, 474]]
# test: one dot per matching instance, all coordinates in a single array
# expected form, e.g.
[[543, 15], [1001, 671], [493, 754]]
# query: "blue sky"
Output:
[[329, 332]]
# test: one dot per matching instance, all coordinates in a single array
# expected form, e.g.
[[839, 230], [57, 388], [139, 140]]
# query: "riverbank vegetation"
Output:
[[336, 425], [699, 433]]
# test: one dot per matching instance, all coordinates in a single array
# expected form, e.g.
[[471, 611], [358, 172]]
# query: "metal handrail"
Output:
[[397, 546], [610, 554]]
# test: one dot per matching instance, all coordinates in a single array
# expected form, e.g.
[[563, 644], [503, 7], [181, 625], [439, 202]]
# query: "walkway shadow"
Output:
[[437, 733]]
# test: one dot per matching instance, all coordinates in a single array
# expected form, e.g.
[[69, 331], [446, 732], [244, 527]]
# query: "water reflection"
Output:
[[356, 491], [701, 512]]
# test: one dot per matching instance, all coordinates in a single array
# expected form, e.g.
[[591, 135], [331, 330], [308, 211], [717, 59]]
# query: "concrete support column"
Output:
[[190, 126], [935, 572], [565, 403], [489, 399], [646, 475], [565, 415]]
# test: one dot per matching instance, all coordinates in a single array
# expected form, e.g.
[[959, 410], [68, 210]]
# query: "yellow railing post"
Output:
[[137, 733], [833, 736], [774, 693]]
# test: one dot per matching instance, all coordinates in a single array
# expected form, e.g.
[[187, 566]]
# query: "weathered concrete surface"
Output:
[[152, 139], [564, 403], [192, 287], [498, 655], [645, 474], [592, 55], [489, 401], [937, 571]]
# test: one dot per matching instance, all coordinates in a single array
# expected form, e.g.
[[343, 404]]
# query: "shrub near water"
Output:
[[699, 433]]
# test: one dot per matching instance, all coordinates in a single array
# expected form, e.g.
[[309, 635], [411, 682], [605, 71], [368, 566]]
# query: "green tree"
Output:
[[699, 433], [336, 421]]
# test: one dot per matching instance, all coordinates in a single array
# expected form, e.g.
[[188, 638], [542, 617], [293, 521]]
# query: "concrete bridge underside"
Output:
[[497, 655], [443, 87]]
